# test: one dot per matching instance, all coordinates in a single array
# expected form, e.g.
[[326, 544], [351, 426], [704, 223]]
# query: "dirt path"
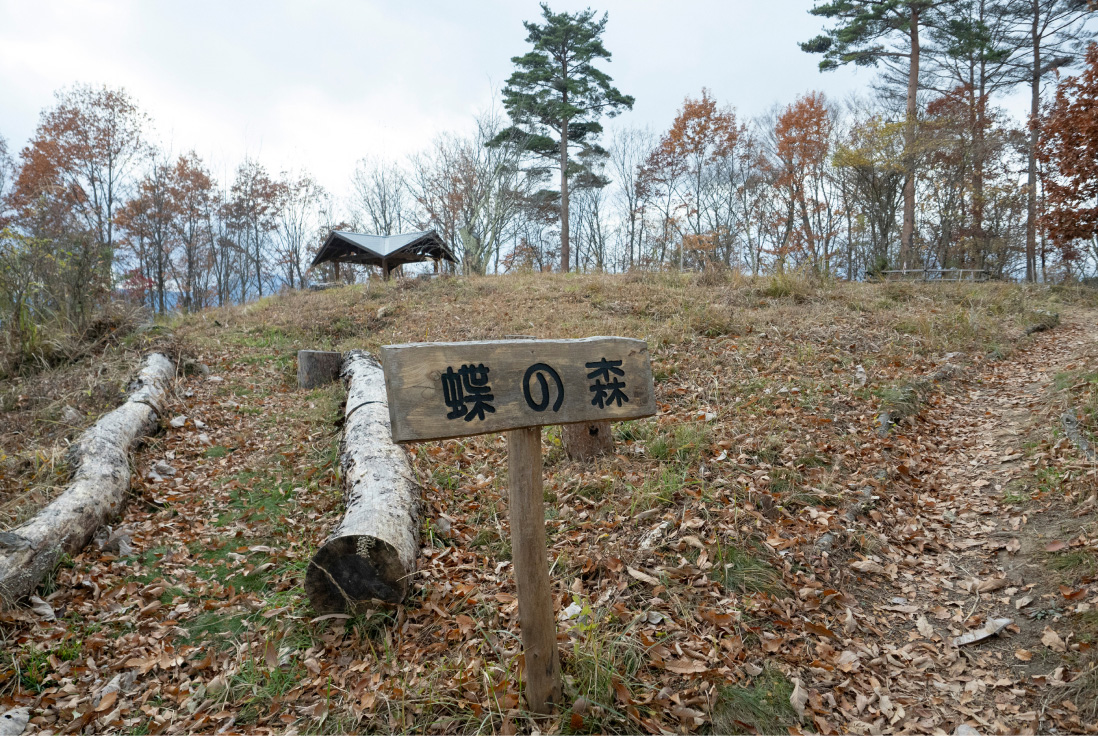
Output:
[[974, 549]]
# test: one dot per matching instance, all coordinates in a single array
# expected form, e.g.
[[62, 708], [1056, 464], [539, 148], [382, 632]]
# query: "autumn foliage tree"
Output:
[[802, 147], [1069, 153], [73, 177], [700, 138]]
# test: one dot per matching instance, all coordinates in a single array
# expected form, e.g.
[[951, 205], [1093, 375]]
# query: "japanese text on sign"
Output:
[[439, 390]]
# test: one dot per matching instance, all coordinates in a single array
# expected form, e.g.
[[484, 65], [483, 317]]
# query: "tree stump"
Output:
[[586, 440], [371, 555], [317, 367]]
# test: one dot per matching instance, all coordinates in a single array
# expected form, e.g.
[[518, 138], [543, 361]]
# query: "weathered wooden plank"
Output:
[[442, 390], [537, 620]]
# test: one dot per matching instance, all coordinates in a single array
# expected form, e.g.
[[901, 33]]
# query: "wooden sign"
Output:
[[443, 390]]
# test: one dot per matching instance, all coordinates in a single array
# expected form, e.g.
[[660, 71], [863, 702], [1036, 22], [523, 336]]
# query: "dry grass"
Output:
[[742, 368], [48, 401]]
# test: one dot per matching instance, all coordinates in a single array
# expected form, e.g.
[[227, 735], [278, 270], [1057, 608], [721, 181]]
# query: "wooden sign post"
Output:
[[444, 390]]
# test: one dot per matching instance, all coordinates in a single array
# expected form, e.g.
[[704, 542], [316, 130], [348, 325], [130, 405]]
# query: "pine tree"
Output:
[[1054, 35], [556, 96], [867, 33]]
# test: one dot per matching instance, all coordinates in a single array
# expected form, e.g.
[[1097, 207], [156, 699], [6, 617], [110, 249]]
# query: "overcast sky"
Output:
[[318, 85]]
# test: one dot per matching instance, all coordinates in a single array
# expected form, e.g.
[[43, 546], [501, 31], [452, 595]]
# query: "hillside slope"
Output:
[[707, 597]]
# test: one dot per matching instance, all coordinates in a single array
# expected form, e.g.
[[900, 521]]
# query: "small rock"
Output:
[[199, 424], [442, 525], [153, 476], [204, 438], [70, 415], [178, 421]]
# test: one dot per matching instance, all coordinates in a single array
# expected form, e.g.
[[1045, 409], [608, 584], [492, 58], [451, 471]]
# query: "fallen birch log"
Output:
[[101, 478], [371, 555]]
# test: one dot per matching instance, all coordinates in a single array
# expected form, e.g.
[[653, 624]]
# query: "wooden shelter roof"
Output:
[[386, 251]]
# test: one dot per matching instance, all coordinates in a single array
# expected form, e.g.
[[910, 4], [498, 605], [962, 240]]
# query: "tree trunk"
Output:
[[907, 237], [1031, 174], [317, 367], [565, 253], [371, 555], [586, 440], [101, 479]]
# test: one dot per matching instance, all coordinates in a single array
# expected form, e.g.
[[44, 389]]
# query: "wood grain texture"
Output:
[[371, 555], [317, 367], [418, 407], [101, 478], [587, 440], [530, 560]]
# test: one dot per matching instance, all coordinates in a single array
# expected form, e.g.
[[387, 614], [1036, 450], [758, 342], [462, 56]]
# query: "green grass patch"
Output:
[[740, 571], [1081, 562], [216, 451], [602, 652], [683, 444], [761, 707], [218, 627]]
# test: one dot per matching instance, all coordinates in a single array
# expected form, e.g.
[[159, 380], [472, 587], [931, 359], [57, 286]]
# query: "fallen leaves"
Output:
[[990, 628], [798, 697], [644, 559], [642, 576], [1052, 640], [924, 627]]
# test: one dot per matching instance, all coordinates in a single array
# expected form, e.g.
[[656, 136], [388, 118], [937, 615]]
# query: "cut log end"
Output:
[[317, 367], [348, 573], [371, 554], [587, 440]]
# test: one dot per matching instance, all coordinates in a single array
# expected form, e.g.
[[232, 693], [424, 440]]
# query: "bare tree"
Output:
[[629, 149], [472, 193], [298, 218], [381, 203]]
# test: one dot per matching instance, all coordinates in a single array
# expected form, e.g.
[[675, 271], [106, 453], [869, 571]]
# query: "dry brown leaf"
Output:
[[924, 627], [799, 696], [42, 609], [685, 666], [990, 628], [868, 566], [1052, 640], [1023, 654], [643, 577], [107, 701]]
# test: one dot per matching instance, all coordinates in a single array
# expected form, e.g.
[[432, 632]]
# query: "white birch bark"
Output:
[[101, 478], [371, 555]]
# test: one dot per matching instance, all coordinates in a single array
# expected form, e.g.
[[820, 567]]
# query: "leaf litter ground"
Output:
[[694, 585]]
